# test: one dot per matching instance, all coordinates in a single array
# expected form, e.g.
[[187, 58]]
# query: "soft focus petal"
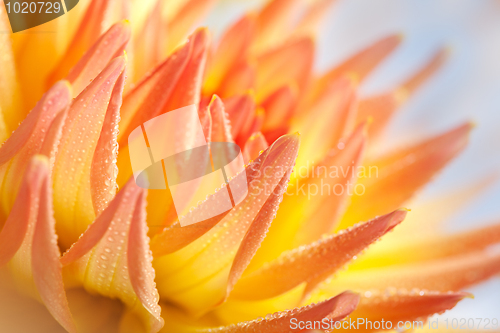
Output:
[[110, 45], [38, 133], [393, 179], [29, 243]]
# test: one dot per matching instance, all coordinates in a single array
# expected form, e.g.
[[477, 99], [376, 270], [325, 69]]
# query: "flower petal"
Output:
[[103, 170], [334, 309], [179, 26], [400, 174], [73, 166], [29, 242], [359, 65], [274, 18], [380, 108], [173, 84], [400, 306], [110, 45], [233, 49], [98, 18], [254, 146], [290, 63], [112, 257], [210, 256], [451, 273], [336, 108], [279, 108], [239, 109], [36, 134], [313, 262], [314, 204], [430, 247]]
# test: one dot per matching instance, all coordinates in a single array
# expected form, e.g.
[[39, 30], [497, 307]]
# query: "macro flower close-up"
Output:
[[197, 166]]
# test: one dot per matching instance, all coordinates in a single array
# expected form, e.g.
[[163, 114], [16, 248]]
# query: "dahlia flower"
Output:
[[102, 254]]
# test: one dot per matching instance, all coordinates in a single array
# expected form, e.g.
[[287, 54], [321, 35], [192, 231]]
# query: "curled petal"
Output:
[[38, 133], [73, 165], [103, 170], [112, 257], [29, 243], [313, 262], [212, 254]]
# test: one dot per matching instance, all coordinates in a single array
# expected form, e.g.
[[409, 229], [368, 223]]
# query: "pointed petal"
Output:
[[397, 176], [336, 108], [313, 17], [29, 242], [241, 78], [210, 259], [313, 262], [451, 273], [98, 18], [382, 107], [288, 64], [272, 20], [173, 84], [430, 247], [187, 16], [315, 201], [427, 71], [378, 110], [361, 64], [72, 193], [110, 45], [103, 171], [254, 146], [233, 49], [221, 128], [112, 257]]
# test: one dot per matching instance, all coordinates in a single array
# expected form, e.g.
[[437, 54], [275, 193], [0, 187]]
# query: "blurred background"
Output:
[[466, 88]]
